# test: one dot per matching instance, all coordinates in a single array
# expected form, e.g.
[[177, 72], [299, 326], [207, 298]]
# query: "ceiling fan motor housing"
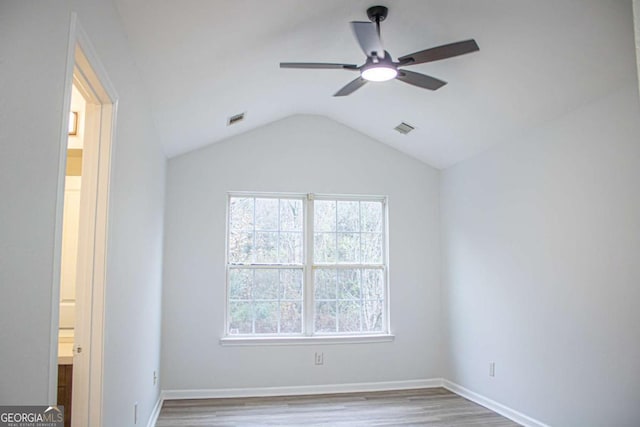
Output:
[[377, 13]]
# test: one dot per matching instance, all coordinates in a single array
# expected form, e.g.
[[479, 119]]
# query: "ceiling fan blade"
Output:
[[351, 87], [420, 80], [367, 35], [440, 52], [318, 65]]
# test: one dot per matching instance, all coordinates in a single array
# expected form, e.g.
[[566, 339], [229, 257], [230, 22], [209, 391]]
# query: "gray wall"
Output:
[[541, 249], [297, 154], [33, 55], [636, 21]]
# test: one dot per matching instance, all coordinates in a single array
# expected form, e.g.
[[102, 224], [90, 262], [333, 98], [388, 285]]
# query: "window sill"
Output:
[[315, 340]]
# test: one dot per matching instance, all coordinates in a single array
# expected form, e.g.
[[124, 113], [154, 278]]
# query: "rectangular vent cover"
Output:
[[235, 119], [404, 128]]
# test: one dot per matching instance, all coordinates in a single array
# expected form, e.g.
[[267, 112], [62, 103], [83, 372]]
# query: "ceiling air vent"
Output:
[[404, 128], [235, 119]]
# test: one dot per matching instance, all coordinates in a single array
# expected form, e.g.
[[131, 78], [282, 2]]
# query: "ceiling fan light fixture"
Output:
[[379, 73]]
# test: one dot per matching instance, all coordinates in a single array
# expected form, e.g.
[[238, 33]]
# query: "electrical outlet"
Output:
[[135, 412], [492, 369], [319, 358], [155, 378]]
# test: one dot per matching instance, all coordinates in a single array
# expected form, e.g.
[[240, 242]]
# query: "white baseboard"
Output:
[[300, 390], [155, 412], [501, 409]]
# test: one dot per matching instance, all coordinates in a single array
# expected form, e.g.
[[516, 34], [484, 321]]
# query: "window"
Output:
[[265, 274], [306, 265]]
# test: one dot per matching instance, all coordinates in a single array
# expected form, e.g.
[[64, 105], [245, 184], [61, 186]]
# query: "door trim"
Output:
[[82, 59]]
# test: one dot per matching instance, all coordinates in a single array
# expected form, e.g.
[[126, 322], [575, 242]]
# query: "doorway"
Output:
[[71, 238], [85, 165]]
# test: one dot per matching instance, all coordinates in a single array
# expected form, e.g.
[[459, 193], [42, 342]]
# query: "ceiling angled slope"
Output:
[[204, 61]]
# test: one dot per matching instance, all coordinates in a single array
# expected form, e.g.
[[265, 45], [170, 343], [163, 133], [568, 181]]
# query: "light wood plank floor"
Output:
[[421, 407]]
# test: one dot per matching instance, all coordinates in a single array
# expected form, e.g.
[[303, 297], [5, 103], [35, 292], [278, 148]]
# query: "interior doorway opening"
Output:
[[69, 253]]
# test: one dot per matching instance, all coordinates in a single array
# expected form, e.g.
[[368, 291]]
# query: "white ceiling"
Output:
[[205, 60]]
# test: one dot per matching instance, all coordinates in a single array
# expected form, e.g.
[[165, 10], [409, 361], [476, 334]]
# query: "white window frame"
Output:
[[308, 336]]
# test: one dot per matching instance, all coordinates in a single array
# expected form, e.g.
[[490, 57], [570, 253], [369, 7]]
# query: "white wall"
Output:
[[33, 58], [297, 154], [541, 249]]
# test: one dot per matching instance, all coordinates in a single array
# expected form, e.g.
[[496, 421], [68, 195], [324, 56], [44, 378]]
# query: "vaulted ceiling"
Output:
[[206, 60]]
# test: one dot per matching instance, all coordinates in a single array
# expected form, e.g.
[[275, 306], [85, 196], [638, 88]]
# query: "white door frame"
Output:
[[87, 72]]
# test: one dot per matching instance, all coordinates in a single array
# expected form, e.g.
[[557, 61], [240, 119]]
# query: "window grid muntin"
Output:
[[252, 300], [254, 231], [362, 300]]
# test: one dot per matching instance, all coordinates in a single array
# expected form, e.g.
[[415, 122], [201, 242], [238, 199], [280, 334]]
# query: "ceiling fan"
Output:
[[379, 65]]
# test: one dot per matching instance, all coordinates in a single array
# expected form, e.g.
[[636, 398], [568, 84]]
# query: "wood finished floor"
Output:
[[421, 407]]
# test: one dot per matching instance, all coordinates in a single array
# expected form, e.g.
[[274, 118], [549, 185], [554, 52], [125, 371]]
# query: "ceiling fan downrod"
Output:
[[377, 14]]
